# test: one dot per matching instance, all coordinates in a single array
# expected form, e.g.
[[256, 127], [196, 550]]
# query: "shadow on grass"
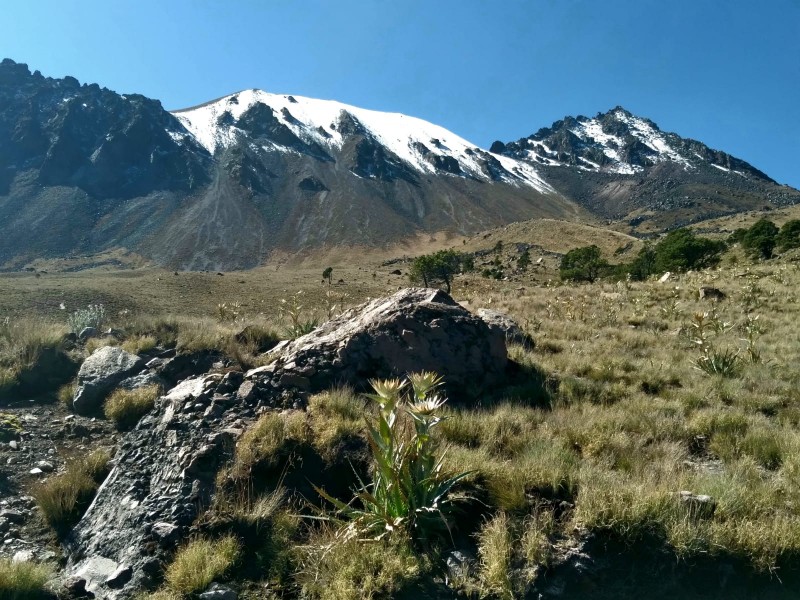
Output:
[[610, 569]]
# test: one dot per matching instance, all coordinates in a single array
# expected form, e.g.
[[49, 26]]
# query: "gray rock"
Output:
[[23, 556], [45, 466], [166, 534], [12, 516], [217, 591], [415, 329], [120, 577], [100, 373], [711, 293], [13, 444], [95, 571], [144, 379], [699, 506], [504, 324], [88, 332]]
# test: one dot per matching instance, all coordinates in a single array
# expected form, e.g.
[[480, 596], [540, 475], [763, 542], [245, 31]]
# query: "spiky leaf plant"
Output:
[[410, 491]]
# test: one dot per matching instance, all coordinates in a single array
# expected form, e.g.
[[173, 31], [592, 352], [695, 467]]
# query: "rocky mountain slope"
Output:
[[621, 166], [227, 184]]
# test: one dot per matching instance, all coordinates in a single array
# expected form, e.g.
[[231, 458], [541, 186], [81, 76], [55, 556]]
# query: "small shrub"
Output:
[[410, 491], [726, 363], [200, 562], [126, 407], [62, 499], [10, 426], [93, 315], [23, 580]]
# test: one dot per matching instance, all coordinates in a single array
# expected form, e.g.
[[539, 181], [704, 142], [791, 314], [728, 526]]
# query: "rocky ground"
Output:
[[39, 436]]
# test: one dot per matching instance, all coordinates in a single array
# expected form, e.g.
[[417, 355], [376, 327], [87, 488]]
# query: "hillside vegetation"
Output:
[[649, 429]]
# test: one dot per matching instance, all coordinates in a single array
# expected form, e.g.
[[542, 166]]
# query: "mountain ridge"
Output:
[[228, 183]]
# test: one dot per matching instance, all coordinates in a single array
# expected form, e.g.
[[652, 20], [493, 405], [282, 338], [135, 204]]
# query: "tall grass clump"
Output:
[[410, 491], [63, 498], [126, 407], [23, 580], [200, 562]]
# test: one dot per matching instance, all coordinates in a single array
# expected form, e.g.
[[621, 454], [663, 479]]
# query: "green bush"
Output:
[[200, 562], [760, 239], [440, 268], [583, 264], [62, 499], [789, 235]]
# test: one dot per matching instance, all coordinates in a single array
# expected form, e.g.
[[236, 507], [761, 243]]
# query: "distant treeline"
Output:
[[680, 250]]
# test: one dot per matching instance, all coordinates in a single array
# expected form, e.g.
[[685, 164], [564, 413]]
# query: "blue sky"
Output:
[[724, 72]]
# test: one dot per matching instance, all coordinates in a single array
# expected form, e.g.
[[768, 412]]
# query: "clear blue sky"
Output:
[[726, 72]]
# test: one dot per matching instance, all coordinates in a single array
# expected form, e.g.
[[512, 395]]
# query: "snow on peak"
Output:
[[318, 121]]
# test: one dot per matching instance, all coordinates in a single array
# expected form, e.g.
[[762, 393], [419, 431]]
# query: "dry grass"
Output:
[[63, 498], [22, 341], [335, 417], [200, 562], [126, 407], [23, 580], [331, 570]]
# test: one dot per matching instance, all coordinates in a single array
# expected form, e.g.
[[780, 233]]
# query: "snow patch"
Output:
[[397, 132]]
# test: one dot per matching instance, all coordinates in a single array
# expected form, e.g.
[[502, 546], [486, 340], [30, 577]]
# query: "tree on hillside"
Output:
[[439, 268], [644, 264], [760, 239], [524, 260], [789, 235], [328, 274], [583, 264], [681, 250]]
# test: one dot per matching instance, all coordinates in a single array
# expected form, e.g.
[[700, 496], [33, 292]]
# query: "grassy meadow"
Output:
[[643, 414]]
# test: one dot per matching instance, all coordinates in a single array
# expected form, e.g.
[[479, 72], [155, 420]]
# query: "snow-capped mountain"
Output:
[[618, 142], [297, 124], [232, 182], [622, 166]]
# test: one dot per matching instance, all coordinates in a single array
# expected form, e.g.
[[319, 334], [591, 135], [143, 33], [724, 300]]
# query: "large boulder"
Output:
[[100, 373], [415, 329], [505, 325], [164, 472]]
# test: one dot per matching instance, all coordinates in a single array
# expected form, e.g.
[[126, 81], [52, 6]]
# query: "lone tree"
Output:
[[439, 268], [328, 274], [789, 236], [760, 239], [583, 264], [524, 260]]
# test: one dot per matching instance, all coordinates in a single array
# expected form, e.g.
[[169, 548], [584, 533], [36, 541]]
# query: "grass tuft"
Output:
[[63, 498], [126, 407], [200, 562], [23, 580]]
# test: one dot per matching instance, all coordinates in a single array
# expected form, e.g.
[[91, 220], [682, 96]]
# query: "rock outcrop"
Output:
[[415, 329], [100, 373], [505, 325], [164, 471]]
